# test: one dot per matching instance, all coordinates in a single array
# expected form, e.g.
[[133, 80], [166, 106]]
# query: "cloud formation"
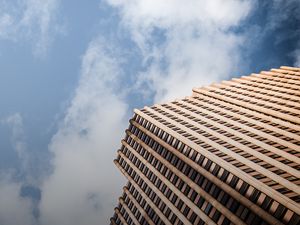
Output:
[[14, 210], [32, 20], [85, 185], [15, 124], [184, 44]]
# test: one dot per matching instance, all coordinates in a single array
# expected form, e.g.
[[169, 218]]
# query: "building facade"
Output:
[[228, 154]]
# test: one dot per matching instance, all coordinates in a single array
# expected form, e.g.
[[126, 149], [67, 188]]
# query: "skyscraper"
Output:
[[227, 154]]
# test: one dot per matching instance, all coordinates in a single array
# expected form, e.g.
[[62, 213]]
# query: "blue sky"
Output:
[[72, 71]]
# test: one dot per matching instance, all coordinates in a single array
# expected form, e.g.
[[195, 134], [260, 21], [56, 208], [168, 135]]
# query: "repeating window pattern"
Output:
[[229, 154]]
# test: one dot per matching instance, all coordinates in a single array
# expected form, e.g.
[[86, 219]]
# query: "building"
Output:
[[228, 154]]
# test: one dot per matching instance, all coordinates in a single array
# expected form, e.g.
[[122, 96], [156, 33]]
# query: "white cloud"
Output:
[[197, 45], [85, 185], [14, 210], [32, 20], [15, 123], [18, 140], [183, 43], [147, 13]]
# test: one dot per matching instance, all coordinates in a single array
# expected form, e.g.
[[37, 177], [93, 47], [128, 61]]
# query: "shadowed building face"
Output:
[[227, 154]]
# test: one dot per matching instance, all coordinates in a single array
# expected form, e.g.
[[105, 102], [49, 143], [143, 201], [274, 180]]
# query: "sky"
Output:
[[71, 73]]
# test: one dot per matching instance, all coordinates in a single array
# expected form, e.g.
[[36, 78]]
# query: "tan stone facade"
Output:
[[229, 154]]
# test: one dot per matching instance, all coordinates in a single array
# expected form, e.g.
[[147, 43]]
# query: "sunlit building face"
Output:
[[228, 154]]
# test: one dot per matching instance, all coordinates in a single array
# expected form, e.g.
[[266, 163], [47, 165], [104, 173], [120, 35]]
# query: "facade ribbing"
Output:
[[228, 154]]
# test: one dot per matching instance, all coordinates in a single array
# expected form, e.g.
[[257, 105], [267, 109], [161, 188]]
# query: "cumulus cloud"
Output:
[[32, 20], [184, 43], [85, 185], [14, 210]]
